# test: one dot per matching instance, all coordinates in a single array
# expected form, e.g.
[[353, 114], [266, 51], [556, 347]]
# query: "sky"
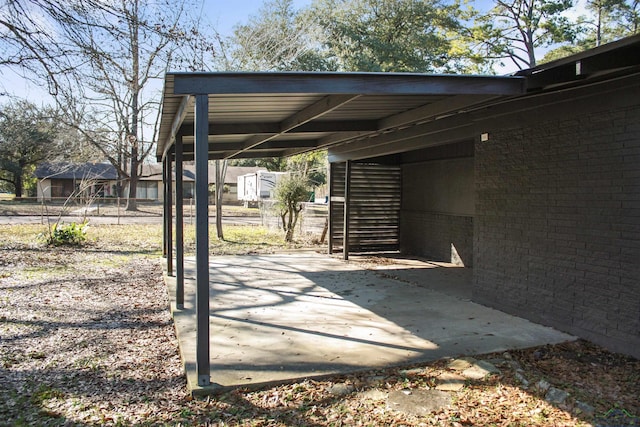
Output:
[[224, 15]]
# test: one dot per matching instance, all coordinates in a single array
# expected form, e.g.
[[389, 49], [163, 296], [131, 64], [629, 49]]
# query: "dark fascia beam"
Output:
[[185, 105], [471, 124], [442, 136], [248, 154], [412, 133], [345, 83], [612, 57], [337, 138], [275, 128], [446, 106], [425, 113], [221, 155]]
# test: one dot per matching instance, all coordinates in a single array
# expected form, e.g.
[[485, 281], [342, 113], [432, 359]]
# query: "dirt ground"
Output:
[[87, 339]]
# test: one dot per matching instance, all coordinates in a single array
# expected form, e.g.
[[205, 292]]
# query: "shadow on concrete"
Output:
[[277, 318]]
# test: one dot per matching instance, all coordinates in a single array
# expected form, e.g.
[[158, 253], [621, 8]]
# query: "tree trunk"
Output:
[[293, 213], [221, 171], [132, 203], [599, 27], [17, 183]]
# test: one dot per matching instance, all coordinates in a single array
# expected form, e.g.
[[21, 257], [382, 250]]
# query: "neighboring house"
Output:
[[60, 180], [150, 184], [57, 181]]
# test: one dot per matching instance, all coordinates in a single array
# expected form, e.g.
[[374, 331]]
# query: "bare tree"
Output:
[[515, 29], [115, 56], [29, 43], [127, 50]]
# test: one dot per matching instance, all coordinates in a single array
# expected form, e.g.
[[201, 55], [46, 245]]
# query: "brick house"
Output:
[[541, 197], [531, 180]]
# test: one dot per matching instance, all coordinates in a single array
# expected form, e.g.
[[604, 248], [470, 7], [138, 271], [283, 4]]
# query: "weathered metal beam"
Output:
[[275, 127], [203, 367], [246, 155], [216, 147], [344, 83], [412, 132], [437, 137], [165, 160], [446, 106], [315, 110], [337, 138], [609, 58], [330, 218], [178, 118]]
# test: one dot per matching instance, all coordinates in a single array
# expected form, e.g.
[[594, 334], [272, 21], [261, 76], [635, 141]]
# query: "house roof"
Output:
[[153, 172], [618, 58], [65, 170], [279, 114], [150, 172]]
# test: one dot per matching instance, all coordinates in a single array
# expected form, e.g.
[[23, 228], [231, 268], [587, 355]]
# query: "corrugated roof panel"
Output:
[[333, 98]]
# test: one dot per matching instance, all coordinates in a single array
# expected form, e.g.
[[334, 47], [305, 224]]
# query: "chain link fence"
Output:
[[312, 219]]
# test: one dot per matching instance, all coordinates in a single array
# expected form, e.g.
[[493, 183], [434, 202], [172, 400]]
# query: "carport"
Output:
[[208, 116], [544, 167]]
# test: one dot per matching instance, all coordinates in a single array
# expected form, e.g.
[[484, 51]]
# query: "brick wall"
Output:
[[436, 220], [557, 226], [440, 237]]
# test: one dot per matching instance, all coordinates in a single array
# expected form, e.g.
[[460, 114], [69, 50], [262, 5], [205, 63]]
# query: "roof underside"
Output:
[[279, 114]]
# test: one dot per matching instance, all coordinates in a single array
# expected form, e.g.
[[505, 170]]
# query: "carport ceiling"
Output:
[[280, 114]]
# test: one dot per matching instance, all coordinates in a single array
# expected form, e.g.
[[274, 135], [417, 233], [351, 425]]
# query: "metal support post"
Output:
[[347, 202], [169, 197], [202, 239], [164, 208], [179, 226], [330, 206]]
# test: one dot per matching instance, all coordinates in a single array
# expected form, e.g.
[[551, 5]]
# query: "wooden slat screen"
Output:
[[374, 223]]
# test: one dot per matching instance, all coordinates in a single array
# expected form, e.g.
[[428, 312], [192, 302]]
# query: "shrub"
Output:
[[290, 192], [73, 234]]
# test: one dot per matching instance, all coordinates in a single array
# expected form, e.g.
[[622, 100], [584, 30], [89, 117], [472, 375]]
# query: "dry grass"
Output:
[[87, 340], [9, 207]]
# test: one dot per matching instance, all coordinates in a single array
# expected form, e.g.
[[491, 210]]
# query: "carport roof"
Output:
[[280, 114]]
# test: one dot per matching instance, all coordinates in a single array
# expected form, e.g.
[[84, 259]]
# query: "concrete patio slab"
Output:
[[277, 318]]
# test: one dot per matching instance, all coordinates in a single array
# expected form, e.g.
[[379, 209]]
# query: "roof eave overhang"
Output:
[[334, 91]]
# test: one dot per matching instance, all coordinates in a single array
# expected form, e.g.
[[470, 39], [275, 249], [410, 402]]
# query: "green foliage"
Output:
[[73, 234], [290, 192], [278, 38], [515, 29], [393, 35], [605, 21], [311, 166], [28, 136], [423, 36], [273, 164]]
